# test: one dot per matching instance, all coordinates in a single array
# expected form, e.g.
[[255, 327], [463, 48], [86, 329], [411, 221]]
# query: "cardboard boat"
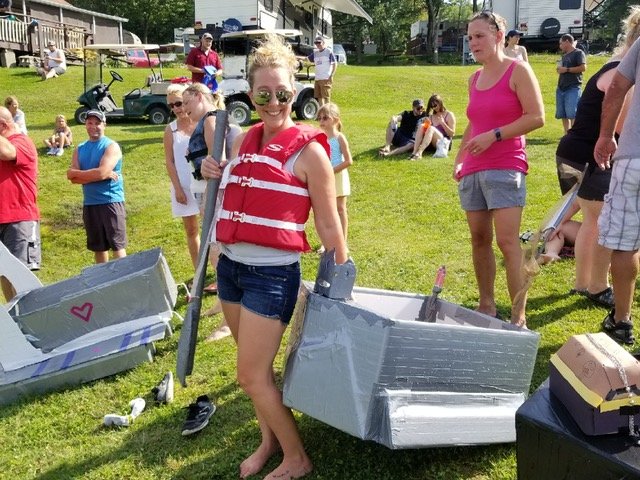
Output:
[[368, 367], [93, 325]]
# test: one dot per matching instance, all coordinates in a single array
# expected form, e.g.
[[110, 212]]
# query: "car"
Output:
[[139, 58], [340, 54]]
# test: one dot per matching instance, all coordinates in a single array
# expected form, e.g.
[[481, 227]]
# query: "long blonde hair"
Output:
[[630, 29], [216, 99], [273, 52]]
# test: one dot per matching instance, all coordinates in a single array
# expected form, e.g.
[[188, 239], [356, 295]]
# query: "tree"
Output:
[[152, 20]]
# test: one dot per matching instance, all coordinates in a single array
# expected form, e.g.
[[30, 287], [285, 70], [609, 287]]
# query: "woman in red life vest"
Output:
[[278, 172]]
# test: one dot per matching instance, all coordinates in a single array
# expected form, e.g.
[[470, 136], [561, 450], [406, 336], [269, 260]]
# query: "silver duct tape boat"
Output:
[[98, 323], [368, 367]]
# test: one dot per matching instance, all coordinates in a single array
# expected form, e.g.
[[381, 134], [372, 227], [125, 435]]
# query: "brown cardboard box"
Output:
[[588, 374]]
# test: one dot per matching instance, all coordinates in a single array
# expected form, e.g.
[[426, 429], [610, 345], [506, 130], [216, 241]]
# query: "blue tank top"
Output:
[[336, 153], [106, 191]]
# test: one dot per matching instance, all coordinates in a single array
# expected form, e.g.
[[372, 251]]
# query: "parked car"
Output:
[[139, 58], [340, 54]]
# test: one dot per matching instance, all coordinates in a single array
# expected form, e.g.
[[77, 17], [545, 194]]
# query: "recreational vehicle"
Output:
[[542, 22], [310, 17]]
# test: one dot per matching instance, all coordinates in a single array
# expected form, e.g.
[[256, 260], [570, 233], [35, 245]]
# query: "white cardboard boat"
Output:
[[93, 325]]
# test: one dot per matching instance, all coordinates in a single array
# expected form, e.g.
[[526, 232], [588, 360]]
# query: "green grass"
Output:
[[405, 221]]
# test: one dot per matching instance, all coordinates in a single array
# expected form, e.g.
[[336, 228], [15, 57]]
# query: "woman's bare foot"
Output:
[[254, 462], [219, 333], [289, 469], [546, 258], [522, 323]]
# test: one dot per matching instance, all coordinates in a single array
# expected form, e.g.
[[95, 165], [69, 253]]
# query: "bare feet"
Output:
[[522, 323], [254, 462], [291, 469], [546, 258], [219, 333]]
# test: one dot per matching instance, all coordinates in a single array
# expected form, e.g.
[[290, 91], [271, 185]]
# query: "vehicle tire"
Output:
[[158, 116], [307, 109], [240, 112], [81, 115]]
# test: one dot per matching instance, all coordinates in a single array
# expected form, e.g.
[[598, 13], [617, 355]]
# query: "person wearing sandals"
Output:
[[491, 164], [259, 269], [401, 130], [576, 151], [618, 222], [441, 124]]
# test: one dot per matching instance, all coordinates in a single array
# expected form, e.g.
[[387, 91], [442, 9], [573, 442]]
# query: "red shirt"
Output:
[[197, 58], [18, 182]]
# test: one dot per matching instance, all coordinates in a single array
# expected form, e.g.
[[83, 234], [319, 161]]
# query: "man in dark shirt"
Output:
[[569, 70], [401, 131], [203, 56]]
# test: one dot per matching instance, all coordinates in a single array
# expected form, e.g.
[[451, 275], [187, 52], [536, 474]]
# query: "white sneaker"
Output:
[[59, 152], [51, 151]]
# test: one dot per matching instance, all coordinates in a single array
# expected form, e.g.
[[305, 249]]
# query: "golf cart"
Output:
[[148, 101], [235, 49]]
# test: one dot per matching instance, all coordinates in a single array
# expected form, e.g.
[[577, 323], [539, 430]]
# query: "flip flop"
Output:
[[212, 288]]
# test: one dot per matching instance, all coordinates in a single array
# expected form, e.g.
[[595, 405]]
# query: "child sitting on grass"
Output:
[[62, 137]]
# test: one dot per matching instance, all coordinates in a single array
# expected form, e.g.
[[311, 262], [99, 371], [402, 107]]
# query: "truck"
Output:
[[542, 22], [311, 17]]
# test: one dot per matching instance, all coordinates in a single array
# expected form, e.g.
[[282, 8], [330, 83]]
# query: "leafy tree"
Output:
[[152, 20]]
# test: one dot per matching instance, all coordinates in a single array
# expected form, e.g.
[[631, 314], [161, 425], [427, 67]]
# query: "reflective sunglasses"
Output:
[[176, 104], [263, 97]]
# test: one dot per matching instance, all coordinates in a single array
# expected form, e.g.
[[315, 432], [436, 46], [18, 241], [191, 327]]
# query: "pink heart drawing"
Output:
[[83, 312]]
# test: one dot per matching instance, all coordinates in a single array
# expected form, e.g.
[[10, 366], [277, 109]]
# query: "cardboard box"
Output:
[[597, 381]]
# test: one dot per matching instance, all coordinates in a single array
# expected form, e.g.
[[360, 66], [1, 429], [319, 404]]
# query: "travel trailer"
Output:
[[310, 17], [542, 22]]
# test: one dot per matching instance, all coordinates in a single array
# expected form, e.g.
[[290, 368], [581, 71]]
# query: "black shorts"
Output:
[[400, 139], [595, 184], [106, 226]]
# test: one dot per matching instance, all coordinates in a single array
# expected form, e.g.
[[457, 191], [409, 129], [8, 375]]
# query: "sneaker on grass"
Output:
[[198, 415], [163, 392]]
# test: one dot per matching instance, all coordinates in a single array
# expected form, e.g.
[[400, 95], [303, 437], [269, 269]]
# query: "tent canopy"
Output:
[[350, 7]]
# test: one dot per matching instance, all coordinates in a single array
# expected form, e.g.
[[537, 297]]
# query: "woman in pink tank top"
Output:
[[504, 104]]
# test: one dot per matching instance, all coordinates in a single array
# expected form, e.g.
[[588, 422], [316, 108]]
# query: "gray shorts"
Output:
[[619, 222], [22, 239], [492, 189]]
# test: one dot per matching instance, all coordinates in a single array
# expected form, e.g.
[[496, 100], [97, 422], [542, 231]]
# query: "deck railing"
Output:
[[30, 36]]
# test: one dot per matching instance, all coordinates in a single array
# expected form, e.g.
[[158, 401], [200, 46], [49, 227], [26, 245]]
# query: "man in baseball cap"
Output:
[[325, 64], [203, 56], [97, 166], [401, 130]]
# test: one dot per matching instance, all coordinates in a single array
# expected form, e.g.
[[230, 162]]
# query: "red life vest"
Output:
[[263, 203]]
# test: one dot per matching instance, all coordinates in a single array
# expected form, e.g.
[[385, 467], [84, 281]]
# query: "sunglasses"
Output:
[[176, 104], [263, 97]]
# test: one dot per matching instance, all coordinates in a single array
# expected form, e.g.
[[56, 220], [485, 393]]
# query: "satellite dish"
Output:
[[231, 25]]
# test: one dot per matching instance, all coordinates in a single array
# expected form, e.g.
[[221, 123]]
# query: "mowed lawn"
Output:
[[405, 221]]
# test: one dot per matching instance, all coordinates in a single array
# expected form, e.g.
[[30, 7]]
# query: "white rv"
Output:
[[541, 21], [311, 17]]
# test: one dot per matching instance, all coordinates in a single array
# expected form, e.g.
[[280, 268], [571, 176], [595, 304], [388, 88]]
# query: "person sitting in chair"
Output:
[[401, 130]]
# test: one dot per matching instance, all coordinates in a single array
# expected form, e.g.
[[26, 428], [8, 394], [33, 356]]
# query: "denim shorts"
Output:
[[492, 189], [268, 291], [567, 102]]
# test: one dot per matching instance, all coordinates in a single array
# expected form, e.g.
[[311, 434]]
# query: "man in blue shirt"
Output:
[[97, 166]]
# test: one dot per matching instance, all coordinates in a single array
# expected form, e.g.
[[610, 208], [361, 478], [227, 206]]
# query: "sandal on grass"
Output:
[[605, 298]]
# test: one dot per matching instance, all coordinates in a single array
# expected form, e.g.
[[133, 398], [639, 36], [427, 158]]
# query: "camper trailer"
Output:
[[542, 22], [310, 17]]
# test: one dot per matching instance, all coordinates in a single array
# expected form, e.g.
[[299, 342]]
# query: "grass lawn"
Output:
[[405, 221]]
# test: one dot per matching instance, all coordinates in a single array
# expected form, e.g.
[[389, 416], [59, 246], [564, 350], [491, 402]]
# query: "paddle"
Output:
[[189, 333]]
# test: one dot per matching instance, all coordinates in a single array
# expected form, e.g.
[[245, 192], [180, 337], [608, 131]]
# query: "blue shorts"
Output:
[[567, 102], [268, 291], [492, 189]]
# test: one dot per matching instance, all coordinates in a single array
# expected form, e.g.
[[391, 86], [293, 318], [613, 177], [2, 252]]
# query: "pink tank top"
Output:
[[492, 108]]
